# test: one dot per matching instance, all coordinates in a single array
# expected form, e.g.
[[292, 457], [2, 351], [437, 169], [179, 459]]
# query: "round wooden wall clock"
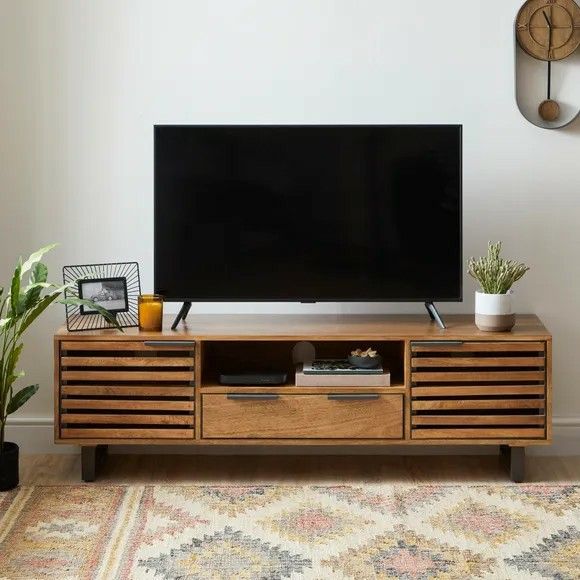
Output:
[[548, 31]]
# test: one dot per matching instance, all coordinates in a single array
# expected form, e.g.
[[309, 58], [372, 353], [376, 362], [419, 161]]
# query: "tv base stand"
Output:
[[181, 315], [453, 386], [434, 315]]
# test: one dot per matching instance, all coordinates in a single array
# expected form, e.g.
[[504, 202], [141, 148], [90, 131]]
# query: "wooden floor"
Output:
[[126, 469]]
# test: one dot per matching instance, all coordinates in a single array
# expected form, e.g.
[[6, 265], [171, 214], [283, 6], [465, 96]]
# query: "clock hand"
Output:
[[547, 19], [549, 30]]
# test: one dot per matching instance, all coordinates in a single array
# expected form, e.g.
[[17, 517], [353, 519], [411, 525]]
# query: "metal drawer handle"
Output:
[[353, 397], [437, 342], [168, 343], [252, 397]]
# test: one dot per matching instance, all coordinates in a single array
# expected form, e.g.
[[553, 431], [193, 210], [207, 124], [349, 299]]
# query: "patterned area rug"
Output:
[[277, 531]]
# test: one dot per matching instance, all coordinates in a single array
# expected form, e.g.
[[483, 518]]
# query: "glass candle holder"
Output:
[[151, 312]]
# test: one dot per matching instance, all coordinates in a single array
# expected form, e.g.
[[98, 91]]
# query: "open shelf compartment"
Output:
[[276, 356]]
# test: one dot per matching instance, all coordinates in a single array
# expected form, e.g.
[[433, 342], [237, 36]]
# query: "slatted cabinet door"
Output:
[[478, 390], [126, 390]]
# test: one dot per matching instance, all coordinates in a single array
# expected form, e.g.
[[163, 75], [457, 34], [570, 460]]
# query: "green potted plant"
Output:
[[28, 296], [496, 276]]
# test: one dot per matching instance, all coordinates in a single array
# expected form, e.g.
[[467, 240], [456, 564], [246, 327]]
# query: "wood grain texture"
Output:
[[308, 416], [119, 345], [127, 390], [137, 375], [338, 444], [482, 433], [88, 418], [105, 384], [321, 327], [199, 374], [407, 397], [477, 376], [292, 390], [479, 419], [96, 434], [56, 386], [549, 391], [478, 404], [127, 405], [475, 390], [109, 361], [478, 362], [475, 346]]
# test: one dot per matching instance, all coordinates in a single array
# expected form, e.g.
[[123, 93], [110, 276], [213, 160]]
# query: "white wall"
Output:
[[83, 82]]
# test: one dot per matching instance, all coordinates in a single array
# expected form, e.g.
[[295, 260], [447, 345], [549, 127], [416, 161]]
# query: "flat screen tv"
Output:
[[308, 213]]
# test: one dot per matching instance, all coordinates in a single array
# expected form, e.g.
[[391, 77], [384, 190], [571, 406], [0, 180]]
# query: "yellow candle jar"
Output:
[[150, 312]]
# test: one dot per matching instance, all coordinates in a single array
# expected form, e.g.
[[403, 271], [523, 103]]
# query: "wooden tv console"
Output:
[[457, 386]]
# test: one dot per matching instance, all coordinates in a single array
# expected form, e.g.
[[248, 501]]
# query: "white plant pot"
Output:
[[494, 312]]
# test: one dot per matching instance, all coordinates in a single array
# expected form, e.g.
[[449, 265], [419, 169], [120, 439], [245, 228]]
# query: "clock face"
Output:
[[549, 29]]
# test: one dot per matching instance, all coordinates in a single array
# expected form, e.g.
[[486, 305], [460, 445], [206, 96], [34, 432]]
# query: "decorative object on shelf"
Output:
[[547, 31], [339, 366], [151, 312], [302, 352], [365, 359], [114, 287], [343, 373], [493, 305], [245, 379], [336, 379], [21, 303]]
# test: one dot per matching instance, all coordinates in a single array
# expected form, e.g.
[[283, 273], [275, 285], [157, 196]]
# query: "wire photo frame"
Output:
[[115, 287]]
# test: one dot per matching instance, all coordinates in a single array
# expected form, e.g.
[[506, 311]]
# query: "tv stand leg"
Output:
[[92, 457], [514, 459], [434, 314], [182, 315]]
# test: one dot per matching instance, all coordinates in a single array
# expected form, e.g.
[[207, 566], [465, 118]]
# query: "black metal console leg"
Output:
[[89, 463], [92, 458], [515, 458], [517, 464], [102, 452], [434, 314], [182, 315]]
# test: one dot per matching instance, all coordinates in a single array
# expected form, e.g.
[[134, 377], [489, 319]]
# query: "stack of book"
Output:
[[340, 373]]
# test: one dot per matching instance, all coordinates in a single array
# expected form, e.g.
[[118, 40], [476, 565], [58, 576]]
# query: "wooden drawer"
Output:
[[478, 390], [333, 416], [126, 390]]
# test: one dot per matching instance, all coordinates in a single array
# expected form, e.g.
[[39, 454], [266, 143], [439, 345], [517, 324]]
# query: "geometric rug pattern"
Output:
[[195, 532]]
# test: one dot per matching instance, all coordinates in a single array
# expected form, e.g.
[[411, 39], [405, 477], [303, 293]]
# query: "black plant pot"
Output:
[[8, 466]]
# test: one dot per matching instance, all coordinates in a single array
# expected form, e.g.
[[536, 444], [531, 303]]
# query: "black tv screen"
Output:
[[308, 213]]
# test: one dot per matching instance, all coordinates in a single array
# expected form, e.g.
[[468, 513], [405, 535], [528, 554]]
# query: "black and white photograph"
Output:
[[109, 293]]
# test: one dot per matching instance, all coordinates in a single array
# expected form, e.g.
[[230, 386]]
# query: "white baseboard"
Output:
[[34, 435]]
